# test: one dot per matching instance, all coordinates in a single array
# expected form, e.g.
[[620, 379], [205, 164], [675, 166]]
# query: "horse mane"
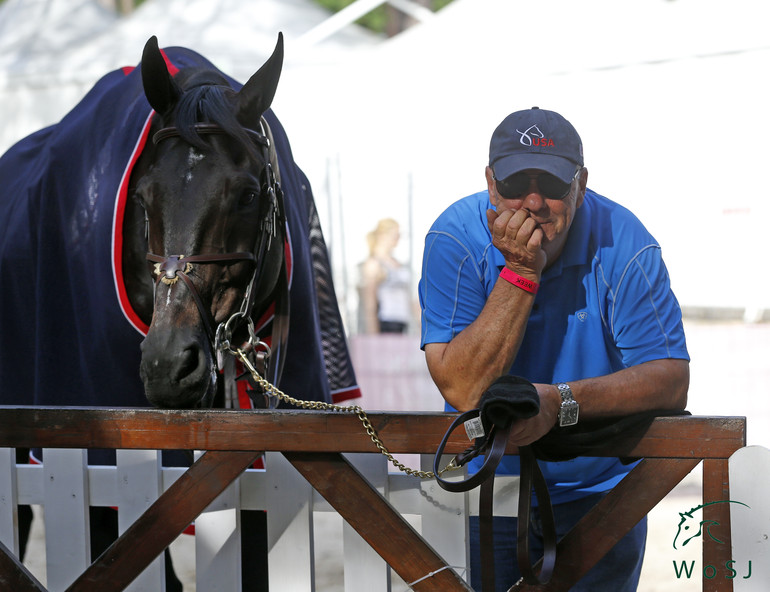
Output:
[[207, 97]]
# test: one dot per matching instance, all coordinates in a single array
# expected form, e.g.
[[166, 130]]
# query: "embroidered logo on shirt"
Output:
[[582, 316]]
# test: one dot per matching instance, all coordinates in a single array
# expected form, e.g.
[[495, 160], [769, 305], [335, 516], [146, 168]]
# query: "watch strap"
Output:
[[569, 410]]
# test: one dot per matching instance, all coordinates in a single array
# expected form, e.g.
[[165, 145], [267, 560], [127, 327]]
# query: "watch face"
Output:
[[568, 415]]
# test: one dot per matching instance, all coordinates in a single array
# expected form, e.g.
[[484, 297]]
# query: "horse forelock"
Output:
[[208, 99]]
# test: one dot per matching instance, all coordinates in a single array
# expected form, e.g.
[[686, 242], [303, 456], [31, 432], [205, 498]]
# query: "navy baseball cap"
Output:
[[535, 139]]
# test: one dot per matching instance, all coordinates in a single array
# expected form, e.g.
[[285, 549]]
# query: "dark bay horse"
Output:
[[206, 192], [163, 216], [146, 218]]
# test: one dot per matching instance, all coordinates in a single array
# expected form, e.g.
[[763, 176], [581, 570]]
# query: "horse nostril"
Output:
[[187, 363], [176, 367]]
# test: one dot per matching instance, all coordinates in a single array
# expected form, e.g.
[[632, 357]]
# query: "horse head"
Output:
[[213, 218]]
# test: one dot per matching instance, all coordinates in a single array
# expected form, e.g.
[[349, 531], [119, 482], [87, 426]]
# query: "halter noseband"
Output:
[[170, 268]]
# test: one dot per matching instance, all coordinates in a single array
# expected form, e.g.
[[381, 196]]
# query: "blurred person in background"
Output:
[[385, 299]]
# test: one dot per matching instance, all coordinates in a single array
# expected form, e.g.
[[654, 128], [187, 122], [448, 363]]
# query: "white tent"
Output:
[[669, 97], [53, 51], [37, 86]]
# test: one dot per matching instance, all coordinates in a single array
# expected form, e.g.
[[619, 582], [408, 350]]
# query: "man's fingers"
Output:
[[520, 227], [498, 223], [527, 229], [491, 217], [517, 236], [535, 241]]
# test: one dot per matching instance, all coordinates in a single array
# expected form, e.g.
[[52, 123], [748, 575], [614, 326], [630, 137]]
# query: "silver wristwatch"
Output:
[[568, 412]]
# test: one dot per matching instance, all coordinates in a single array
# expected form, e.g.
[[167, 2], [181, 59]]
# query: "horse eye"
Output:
[[248, 197]]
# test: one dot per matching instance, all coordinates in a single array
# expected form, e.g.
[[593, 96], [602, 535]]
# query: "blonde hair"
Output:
[[383, 226]]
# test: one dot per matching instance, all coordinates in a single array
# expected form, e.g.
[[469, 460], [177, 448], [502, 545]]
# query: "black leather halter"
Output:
[[170, 268], [210, 128]]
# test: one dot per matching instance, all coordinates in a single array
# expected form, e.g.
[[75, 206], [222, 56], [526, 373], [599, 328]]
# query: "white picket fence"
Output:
[[65, 487]]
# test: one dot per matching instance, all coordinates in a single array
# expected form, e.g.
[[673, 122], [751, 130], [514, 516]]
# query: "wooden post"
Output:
[[716, 488], [14, 576]]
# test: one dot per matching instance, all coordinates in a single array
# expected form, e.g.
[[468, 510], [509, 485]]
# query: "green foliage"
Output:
[[374, 20], [377, 19]]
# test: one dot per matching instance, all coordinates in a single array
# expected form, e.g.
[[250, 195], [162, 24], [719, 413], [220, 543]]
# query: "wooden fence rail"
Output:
[[313, 443]]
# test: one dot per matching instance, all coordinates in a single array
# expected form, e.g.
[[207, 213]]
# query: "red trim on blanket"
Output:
[[353, 392], [265, 319], [117, 233], [288, 254], [119, 215], [269, 313], [244, 401], [172, 69]]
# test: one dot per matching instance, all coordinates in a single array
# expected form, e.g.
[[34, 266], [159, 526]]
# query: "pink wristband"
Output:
[[518, 281]]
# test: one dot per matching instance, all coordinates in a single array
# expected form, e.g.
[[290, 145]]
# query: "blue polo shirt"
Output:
[[605, 304]]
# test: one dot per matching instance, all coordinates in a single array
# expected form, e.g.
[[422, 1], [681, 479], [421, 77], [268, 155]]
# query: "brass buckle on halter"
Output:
[[171, 267]]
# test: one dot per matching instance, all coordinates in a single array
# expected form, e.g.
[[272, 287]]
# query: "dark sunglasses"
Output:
[[517, 185]]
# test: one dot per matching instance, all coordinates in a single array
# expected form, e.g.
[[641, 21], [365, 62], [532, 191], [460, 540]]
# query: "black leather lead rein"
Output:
[[509, 398]]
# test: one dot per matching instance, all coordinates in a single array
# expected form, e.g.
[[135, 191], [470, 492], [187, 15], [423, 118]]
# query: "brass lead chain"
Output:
[[274, 391]]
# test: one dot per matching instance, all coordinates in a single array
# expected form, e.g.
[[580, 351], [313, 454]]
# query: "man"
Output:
[[540, 277]]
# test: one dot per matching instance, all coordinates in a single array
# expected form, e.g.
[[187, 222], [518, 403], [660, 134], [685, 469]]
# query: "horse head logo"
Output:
[[690, 527], [531, 132]]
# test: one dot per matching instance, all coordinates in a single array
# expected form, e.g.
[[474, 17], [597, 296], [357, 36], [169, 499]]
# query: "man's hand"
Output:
[[519, 238], [527, 431]]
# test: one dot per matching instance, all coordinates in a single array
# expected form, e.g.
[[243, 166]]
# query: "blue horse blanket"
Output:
[[68, 335]]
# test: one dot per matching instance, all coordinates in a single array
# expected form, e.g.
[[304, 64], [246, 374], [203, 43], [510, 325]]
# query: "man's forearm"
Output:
[[658, 384], [463, 368]]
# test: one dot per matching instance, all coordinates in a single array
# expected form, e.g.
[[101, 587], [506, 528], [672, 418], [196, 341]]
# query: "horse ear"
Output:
[[257, 94], [159, 87]]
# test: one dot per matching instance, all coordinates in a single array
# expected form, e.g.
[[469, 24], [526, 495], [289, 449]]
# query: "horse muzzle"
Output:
[[178, 369]]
